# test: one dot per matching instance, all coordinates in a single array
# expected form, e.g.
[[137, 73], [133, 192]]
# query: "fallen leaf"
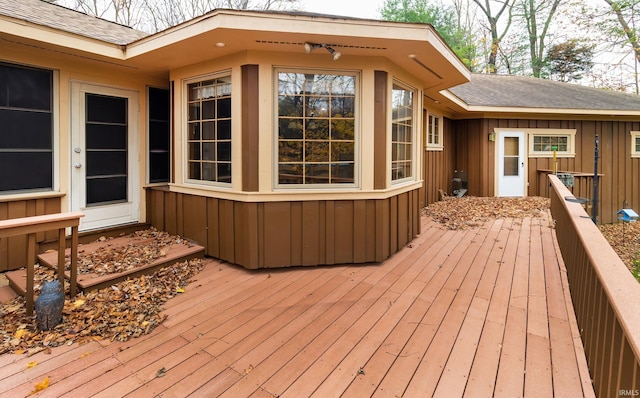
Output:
[[20, 333], [32, 364], [161, 372], [41, 385], [78, 303], [19, 352], [179, 290]]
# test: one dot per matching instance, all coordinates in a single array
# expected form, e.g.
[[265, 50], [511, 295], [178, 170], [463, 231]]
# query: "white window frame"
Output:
[[414, 140], [185, 139], [440, 133], [635, 137], [355, 185], [571, 142]]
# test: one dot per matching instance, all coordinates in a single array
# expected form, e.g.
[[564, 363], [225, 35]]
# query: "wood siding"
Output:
[[438, 167], [620, 174], [13, 251], [284, 234]]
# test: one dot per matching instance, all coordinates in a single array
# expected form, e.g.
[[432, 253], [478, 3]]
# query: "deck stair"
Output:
[[87, 282]]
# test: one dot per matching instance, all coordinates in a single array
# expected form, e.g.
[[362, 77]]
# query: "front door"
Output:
[[511, 163], [104, 155]]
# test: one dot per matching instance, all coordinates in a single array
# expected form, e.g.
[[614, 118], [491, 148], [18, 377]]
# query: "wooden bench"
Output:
[[30, 226]]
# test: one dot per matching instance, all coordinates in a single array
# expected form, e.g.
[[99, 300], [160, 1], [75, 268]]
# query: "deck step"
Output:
[[87, 282], [7, 294]]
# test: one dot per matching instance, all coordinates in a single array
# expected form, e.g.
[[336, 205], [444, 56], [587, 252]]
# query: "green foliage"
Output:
[[569, 60], [635, 271], [443, 18]]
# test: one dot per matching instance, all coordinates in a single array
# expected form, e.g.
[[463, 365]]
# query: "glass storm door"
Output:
[[511, 164], [104, 156]]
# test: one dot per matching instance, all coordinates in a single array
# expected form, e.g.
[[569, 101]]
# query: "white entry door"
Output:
[[511, 163], [104, 155]]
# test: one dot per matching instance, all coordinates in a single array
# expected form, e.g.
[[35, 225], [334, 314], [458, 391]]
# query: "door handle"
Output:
[[77, 165]]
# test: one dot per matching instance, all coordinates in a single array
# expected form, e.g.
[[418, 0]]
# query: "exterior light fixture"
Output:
[[309, 47]]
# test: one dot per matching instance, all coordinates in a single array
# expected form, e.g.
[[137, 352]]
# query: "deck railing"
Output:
[[606, 297]]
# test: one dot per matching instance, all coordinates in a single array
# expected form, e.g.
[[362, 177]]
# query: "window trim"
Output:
[[276, 185], [414, 141], [430, 146], [533, 132], [185, 129], [635, 136]]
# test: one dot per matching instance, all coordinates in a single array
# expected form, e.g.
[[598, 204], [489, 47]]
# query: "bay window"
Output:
[[316, 138]]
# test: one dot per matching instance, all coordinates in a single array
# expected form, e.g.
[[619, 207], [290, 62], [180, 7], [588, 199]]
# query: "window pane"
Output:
[[27, 88], [402, 133], [290, 173], [313, 137], [209, 138], [36, 170], [22, 129], [511, 166], [511, 146], [104, 109], [290, 128], [638, 144]]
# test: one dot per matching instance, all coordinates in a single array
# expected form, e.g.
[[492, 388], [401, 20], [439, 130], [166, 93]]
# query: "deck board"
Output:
[[480, 312]]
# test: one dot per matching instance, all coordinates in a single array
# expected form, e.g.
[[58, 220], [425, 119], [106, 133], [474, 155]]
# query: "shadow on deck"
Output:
[[480, 312]]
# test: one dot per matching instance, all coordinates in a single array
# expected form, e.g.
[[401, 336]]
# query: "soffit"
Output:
[[195, 41]]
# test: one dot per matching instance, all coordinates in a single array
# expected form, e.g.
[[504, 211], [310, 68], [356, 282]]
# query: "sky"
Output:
[[350, 8]]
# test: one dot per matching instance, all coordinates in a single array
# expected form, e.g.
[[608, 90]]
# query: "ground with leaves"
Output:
[[625, 240], [124, 310], [470, 211]]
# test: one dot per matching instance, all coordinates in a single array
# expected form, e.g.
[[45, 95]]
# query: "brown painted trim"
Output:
[[173, 132], [250, 128], [380, 130]]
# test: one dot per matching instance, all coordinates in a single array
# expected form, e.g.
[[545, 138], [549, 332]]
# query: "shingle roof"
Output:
[[51, 15], [528, 92]]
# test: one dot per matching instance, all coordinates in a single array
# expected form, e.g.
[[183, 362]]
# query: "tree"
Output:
[[569, 60], [626, 13], [538, 17], [156, 15], [496, 37], [445, 19]]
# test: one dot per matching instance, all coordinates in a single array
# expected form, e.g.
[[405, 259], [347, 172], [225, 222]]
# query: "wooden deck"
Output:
[[482, 312]]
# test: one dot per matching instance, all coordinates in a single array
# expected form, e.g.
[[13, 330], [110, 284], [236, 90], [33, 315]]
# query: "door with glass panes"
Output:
[[104, 155]]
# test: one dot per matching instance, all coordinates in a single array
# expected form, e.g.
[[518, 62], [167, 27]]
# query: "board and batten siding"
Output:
[[619, 182], [13, 250], [438, 167], [292, 233]]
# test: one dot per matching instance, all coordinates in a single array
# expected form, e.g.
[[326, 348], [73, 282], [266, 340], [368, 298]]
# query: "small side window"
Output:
[[434, 132], [635, 144]]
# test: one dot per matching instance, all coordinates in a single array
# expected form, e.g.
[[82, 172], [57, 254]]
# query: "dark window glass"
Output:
[[26, 132], [106, 128], [159, 135], [103, 109], [25, 171]]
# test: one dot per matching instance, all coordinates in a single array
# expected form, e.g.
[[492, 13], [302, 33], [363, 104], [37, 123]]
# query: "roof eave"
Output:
[[54, 37]]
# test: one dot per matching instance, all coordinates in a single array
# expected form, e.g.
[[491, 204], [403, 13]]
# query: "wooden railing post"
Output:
[[30, 226]]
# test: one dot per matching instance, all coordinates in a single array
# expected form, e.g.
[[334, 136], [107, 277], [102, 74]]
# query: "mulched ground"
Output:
[[625, 240], [124, 310]]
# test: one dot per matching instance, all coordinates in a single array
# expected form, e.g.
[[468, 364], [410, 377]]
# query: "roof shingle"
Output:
[[57, 17], [528, 92]]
